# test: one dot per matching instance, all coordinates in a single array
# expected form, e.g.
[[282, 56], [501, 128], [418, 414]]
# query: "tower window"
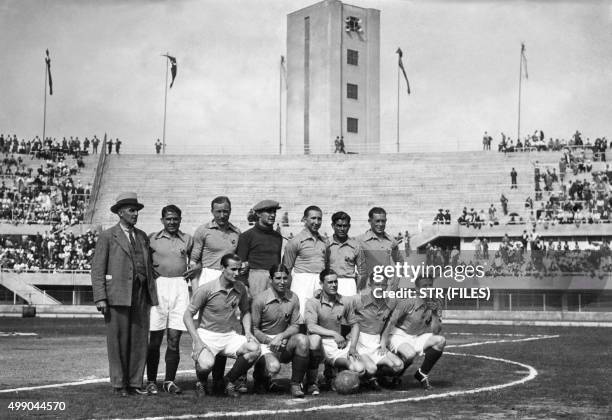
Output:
[[352, 125], [352, 57], [351, 91]]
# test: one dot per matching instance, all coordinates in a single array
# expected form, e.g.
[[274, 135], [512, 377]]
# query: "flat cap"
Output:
[[266, 204]]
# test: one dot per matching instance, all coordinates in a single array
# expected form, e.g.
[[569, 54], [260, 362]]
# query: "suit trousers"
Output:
[[127, 331]]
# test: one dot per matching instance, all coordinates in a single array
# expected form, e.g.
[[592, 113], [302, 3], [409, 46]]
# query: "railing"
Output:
[[95, 191], [44, 271]]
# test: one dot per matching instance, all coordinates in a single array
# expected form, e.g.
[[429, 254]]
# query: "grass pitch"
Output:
[[573, 378]]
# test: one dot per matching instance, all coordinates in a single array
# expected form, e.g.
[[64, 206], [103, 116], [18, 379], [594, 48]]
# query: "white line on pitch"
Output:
[[531, 375], [104, 380], [542, 337]]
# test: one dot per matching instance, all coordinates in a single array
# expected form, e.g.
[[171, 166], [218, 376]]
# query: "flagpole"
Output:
[[45, 106], [518, 133], [280, 107], [398, 105], [165, 105]]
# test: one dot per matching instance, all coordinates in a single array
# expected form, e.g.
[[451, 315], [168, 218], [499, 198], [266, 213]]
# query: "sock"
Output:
[[431, 357], [240, 368], [315, 359], [155, 341], [259, 371], [172, 361], [202, 375], [218, 369], [299, 365], [384, 370], [407, 364]]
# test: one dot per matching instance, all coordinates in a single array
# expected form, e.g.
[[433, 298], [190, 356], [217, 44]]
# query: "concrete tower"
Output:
[[333, 78]]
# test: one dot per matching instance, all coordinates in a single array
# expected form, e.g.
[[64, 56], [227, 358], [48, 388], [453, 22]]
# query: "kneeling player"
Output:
[[218, 300], [324, 316], [414, 330], [372, 314], [276, 312]]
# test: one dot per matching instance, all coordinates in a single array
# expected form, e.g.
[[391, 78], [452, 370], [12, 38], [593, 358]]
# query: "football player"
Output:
[[414, 329], [325, 313], [216, 334], [372, 314], [276, 313]]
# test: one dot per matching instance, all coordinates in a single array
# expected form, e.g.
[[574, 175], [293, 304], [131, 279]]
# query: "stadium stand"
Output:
[[411, 187], [46, 184]]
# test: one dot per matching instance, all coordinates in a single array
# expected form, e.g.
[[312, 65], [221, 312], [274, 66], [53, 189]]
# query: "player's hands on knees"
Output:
[[353, 353], [340, 341], [276, 344], [198, 348], [382, 350], [102, 307]]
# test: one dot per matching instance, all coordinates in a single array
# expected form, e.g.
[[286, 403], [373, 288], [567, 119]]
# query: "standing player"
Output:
[[170, 248], [305, 255], [261, 246], [324, 317], [414, 329], [212, 241], [275, 313], [372, 314], [218, 300], [345, 256], [379, 248]]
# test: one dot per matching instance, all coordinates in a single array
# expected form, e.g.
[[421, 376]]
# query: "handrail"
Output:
[[95, 189], [44, 271]]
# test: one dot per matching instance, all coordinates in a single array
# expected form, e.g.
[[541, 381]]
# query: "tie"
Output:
[[132, 240]]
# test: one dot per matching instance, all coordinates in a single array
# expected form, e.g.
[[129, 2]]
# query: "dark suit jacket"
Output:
[[112, 269]]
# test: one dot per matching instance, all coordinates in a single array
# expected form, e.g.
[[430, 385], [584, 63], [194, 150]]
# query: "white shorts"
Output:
[[207, 275], [347, 286], [368, 345], [331, 350], [173, 297], [399, 337], [304, 286], [225, 343], [265, 348]]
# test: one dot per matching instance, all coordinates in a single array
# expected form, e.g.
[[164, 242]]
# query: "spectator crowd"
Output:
[[43, 188], [537, 142], [56, 251]]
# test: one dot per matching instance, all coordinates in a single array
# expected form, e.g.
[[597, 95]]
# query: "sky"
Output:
[[462, 59]]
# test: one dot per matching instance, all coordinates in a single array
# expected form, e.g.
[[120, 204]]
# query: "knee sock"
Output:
[[314, 359], [240, 368], [260, 371], [384, 370], [202, 375], [299, 366], [219, 368], [431, 357], [173, 358]]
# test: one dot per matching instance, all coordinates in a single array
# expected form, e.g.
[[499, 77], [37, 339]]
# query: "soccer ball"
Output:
[[346, 382]]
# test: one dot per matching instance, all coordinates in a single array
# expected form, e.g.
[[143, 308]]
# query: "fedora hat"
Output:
[[126, 199]]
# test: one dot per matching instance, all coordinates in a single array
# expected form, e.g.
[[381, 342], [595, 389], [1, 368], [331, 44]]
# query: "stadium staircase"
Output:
[[28, 292], [411, 187]]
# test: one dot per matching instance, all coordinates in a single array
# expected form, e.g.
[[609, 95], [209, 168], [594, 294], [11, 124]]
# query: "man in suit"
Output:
[[124, 290]]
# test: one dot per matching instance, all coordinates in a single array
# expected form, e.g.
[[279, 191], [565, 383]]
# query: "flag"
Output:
[[283, 70], [401, 66], [48, 61], [172, 68], [524, 59]]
